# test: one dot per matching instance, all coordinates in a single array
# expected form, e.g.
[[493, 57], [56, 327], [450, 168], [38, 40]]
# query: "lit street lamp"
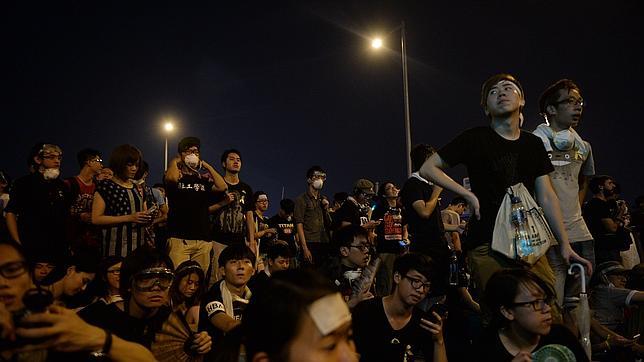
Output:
[[377, 44], [168, 127]]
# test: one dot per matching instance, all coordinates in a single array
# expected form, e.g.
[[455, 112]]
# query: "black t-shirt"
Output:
[[230, 221], [190, 198], [594, 211], [212, 303], [120, 323], [350, 212], [376, 340], [390, 230], [494, 164], [490, 348], [285, 230], [42, 208], [426, 235]]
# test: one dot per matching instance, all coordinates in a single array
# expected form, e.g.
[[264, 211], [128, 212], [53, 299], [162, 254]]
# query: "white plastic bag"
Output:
[[541, 237]]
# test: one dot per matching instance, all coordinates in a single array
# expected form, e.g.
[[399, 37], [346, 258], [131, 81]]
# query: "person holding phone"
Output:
[[393, 328]]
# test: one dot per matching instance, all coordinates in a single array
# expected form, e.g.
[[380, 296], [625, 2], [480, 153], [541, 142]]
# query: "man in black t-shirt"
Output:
[[190, 182], [499, 156], [283, 223], [232, 210], [601, 223], [356, 210], [393, 328], [419, 197], [39, 206]]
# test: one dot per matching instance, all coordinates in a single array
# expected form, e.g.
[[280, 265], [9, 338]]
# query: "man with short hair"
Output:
[[420, 199], [232, 210], [601, 222], [392, 328], [82, 233], [496, 157], [452, 223], [312, 219], [561, 105], [190, 184], [278, 258], [39, 205], [222, 306], [283, 223], [352, 254]]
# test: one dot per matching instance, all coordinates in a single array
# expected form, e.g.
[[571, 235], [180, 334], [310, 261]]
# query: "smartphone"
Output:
[[440, 309]]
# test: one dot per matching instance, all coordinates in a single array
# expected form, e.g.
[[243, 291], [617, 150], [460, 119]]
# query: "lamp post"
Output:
[[168, 127], [377, 43]]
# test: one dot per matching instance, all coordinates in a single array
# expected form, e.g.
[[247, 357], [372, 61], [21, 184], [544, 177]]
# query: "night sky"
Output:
[[293, 84]]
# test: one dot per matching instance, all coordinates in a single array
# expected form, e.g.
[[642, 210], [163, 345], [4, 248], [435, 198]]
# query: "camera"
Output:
[[440, 309], [35, 300]]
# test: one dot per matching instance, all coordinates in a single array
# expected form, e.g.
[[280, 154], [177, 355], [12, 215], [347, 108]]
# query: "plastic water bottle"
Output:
[[453, 269], [520, 224]]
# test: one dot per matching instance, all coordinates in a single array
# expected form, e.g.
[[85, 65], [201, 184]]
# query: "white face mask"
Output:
[[192, 160], [317, 184], [51, 173], [564, 140]]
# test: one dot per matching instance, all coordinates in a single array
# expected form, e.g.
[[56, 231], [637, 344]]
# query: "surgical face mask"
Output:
[[317, 184], [192, 160], [51, 173], [563, 140]]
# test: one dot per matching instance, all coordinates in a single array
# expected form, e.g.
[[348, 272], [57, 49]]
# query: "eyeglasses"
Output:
[[13, 269], [571, 101], [99, 160], [538, 305], [417, 283], [115, 271], [362, 247], [262, 200]]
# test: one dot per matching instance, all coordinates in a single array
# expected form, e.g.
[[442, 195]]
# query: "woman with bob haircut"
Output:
[[119, 207], [521, 320]]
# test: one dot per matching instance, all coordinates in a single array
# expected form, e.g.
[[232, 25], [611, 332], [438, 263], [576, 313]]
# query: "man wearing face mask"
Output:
[[39, 205], [190, 183], [561, 105], [312, 220]]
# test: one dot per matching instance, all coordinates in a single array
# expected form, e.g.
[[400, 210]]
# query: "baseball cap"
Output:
[[365, 186]]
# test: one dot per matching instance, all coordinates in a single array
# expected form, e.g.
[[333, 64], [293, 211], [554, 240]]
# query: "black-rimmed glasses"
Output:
[[571, 101], [417, 283], [538, 305]]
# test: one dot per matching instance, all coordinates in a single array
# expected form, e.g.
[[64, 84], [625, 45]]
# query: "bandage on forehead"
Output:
[[329, 313]]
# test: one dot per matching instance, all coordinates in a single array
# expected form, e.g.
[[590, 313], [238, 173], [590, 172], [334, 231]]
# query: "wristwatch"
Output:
[[102, 353]]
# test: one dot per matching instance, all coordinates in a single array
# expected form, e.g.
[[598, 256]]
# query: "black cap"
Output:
[[188, 142]]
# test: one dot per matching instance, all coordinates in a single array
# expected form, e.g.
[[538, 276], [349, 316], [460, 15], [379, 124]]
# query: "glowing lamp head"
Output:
[[376, 43]]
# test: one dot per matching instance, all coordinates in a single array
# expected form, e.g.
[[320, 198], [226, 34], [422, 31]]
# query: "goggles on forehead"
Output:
[[148, 279], [318, 174], [49, 149]]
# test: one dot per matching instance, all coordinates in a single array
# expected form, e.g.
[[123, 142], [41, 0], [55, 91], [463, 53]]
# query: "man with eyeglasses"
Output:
[[561, 105], [190, 185], [352, 253], [39, 205], [145, 280], [393, 328], [82, 233]]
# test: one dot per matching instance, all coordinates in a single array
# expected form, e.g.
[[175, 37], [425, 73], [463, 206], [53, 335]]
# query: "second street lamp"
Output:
[[377, 44], [168, 127]]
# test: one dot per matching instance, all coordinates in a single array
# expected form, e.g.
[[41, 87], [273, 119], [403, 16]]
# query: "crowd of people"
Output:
[[105, 265]]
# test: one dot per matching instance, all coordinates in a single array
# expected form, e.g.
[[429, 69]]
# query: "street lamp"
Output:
[[168, 127], [377, 43]]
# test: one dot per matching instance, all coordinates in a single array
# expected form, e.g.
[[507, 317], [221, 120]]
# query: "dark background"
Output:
[[293, 84]]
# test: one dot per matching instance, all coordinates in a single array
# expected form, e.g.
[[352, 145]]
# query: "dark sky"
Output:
[[292, 84]]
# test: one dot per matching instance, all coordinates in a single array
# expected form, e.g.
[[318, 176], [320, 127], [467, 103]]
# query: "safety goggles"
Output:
[[146, 280]]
